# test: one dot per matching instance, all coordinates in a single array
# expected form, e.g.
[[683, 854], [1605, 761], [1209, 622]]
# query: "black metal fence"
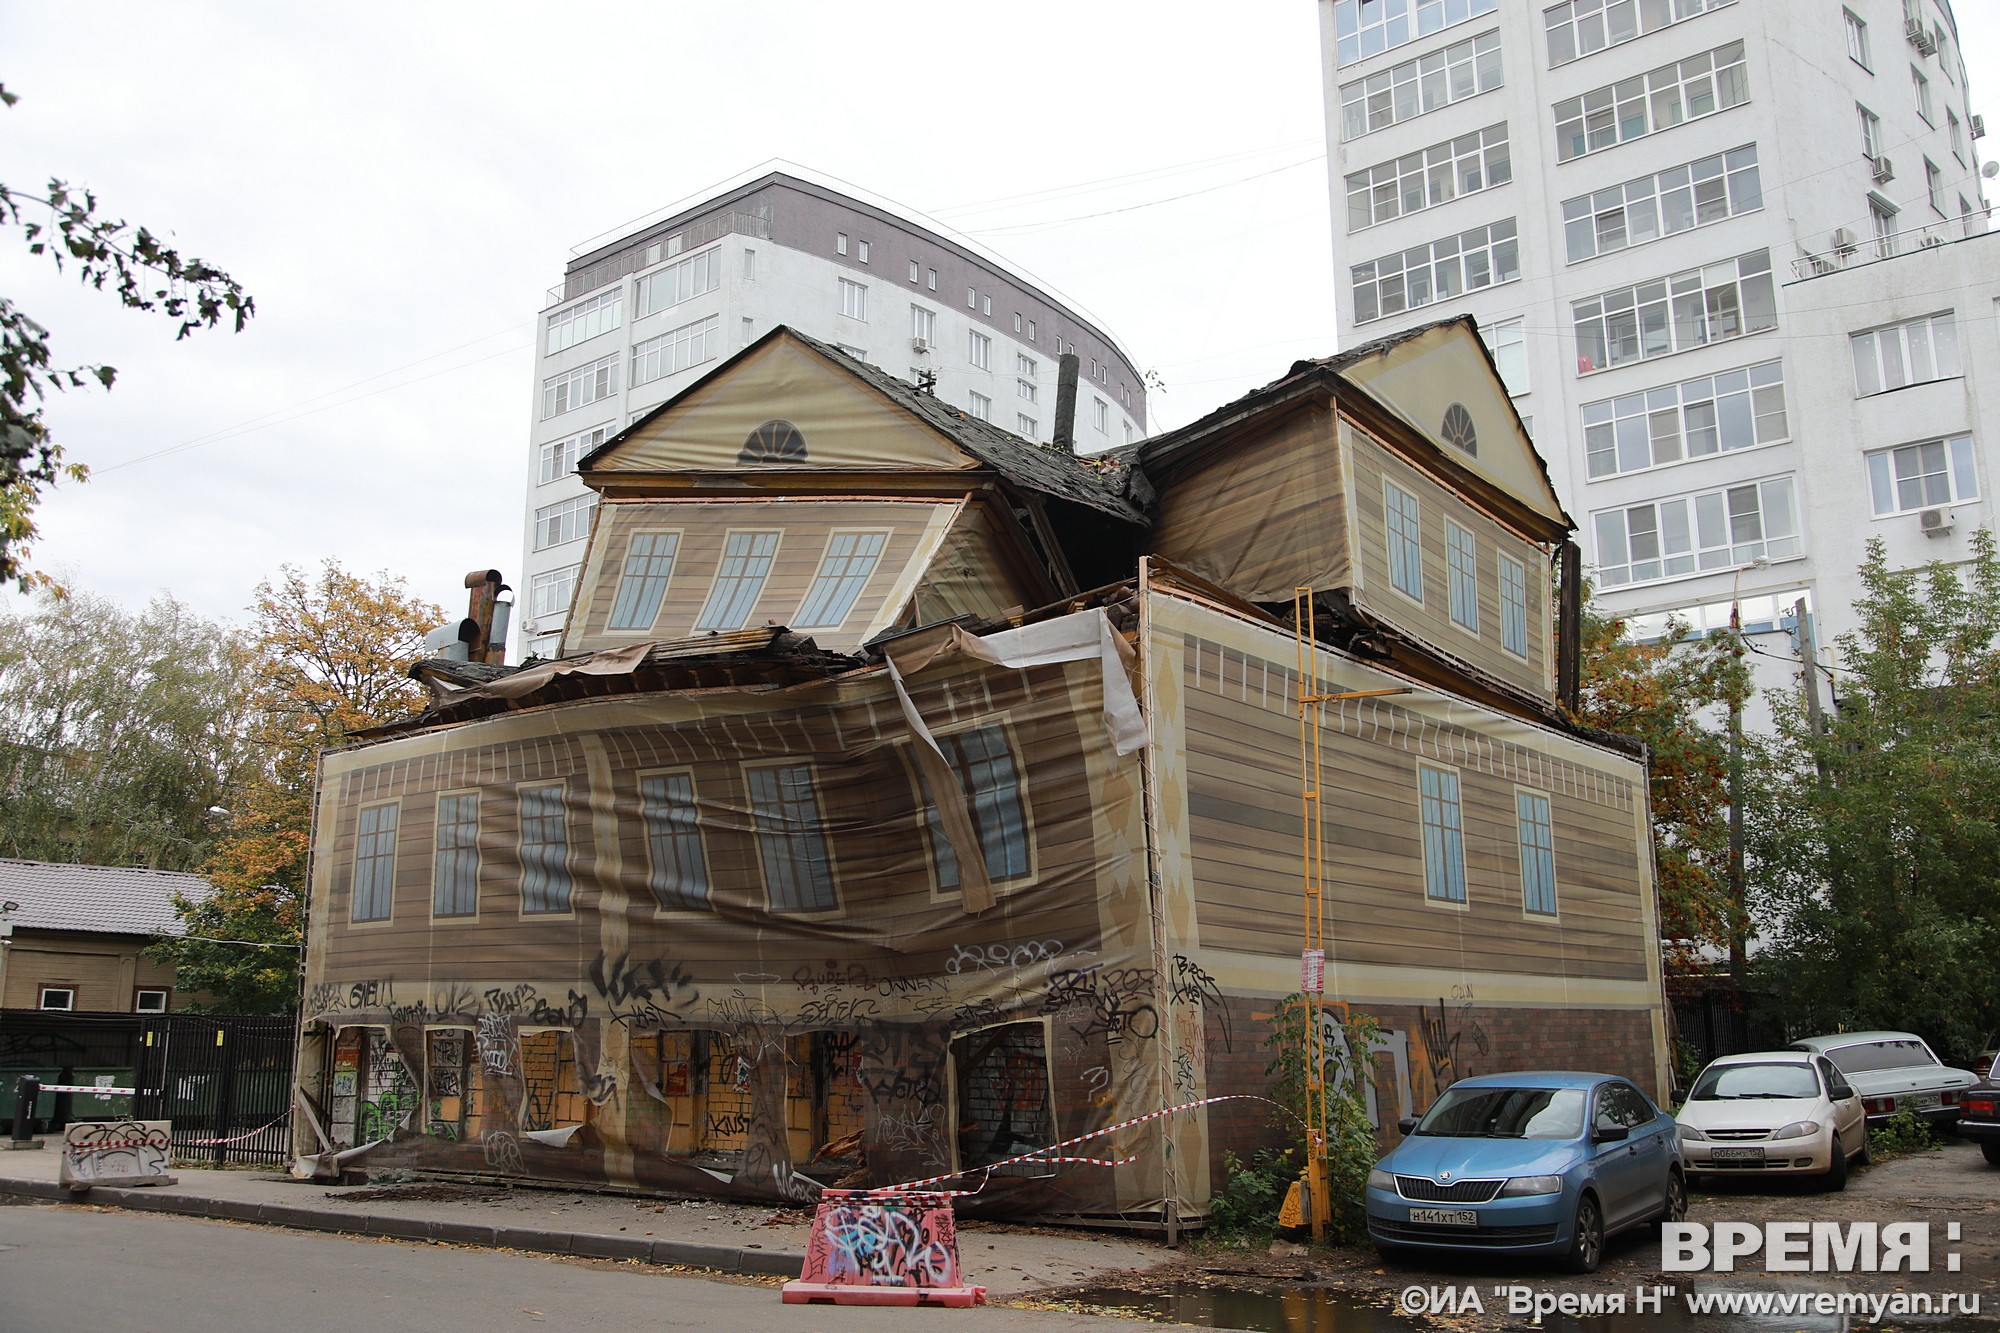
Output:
[[224, 1080]]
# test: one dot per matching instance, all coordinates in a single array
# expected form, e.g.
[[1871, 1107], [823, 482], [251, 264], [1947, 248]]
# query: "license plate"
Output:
[[1920, 1101], [1735, 1154], [1445, 1217]]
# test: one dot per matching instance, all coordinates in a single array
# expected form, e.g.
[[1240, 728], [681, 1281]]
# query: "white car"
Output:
[[1773, 1112], [1894, 1071]]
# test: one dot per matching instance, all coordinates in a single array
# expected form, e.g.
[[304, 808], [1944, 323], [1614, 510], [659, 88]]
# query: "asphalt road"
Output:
[[65, 1269]]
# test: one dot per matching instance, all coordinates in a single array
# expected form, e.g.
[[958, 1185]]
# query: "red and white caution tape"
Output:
[[217, 1143], [78, 1087]]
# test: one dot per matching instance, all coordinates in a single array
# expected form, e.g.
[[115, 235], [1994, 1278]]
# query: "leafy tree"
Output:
[[118, 732], [142, 274], [330, 655], [1878, 843]]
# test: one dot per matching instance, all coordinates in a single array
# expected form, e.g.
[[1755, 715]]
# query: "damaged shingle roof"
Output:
[[119, 900]]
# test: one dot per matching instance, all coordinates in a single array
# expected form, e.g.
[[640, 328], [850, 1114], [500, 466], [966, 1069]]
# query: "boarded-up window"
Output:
[[373, 1092], [746, 563], [1406, 558], [455, 871], [986, 771], [649, 565], [1444, 849], [445, 1092], [825, 1112], [1538, 853], [680, 870], [545, 878], [798, 873], [1004, 1106], [551, 1098], [375, 861], [706, 1083], [843, 572]]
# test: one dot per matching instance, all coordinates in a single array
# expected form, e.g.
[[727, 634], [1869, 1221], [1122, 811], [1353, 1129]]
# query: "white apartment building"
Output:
[[1729, 255], [637, 321]]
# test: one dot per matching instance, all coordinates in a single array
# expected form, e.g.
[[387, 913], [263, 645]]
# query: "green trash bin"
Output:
[[45, 1105], [91, 1106]]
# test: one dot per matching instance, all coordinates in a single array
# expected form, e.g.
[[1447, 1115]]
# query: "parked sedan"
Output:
[[1979, 1115], [1894, 1071], [1528, 1164], [1774, 1112]]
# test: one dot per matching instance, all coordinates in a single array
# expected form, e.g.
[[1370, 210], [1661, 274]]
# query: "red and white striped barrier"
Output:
[[99, 1091]]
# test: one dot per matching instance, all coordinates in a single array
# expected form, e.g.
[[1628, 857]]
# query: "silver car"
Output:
[[1783, 1112], [1894, 1071]]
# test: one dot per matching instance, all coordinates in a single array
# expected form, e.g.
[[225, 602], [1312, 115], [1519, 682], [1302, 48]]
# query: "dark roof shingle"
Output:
[[118, 900]]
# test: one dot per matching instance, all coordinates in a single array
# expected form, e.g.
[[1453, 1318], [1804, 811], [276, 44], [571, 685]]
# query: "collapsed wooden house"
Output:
[[908, 796]]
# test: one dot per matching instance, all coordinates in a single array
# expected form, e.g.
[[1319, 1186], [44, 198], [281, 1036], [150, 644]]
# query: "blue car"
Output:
[[1544, 1164]]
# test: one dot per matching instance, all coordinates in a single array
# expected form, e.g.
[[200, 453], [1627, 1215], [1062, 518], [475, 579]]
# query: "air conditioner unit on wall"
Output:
[[1843, 242], [1978, 126], [1885, 171], [920, 345], [1934, 522], [1920, 36]]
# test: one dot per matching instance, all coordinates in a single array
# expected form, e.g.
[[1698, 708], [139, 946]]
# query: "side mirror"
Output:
[[1405, 1125], [1610, 1134]]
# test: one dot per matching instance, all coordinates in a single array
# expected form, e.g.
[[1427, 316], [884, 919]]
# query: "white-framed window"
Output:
[[1441, 271], [923, 324], [791, 839], [1698, 418], [1585, 27], [853, 299], [642, 584], [1508, 344], [558, 460], [1871, 132], [979, 349], [1513, 605], [739, 579], [1920, 93], [1915, 352], [697, 275], [1017, 321], [1100, 415], [984, 764], [551, 591], [61, 999], [1027, 391], [1364, 28], [749, 265], [915, 271], [1922, 475], [676, 350], [545, 875], [563, 521], [1462, 576], [861, 251], [746, 331], [374, 885], [455, 856], [1538, 852], [584, 320], [1403, 92], [844, 571], [971, 299], [1406, 548], [679, 871], [930, 279], [840, 242], [1475, 161], [1857, 40], [575, 388], [986, 305], [1882, 217], [1698, 86], [1443, 828], [149, 1000], [1678, 199], [979, 405], [1934, 186], [1025, 365], [1723, 300], [1026, 426], [1718, 529], [1956, 132], [1031, 330]]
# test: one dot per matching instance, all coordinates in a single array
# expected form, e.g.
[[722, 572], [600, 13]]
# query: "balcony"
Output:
[[1846, 251]]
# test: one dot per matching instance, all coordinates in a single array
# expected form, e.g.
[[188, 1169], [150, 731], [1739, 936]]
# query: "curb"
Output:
[[588, 1245]]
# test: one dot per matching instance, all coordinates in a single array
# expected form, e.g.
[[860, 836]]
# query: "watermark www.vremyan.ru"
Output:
[[1517, 1299]]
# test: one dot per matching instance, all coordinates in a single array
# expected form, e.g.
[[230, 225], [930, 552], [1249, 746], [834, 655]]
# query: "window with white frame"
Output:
[[1956, 132], [979, 349], [1698, 86], [1857, 40], [374, 862], [1438, 174], [1915, 352], [1100, 415], [676, 350], [1719, 301], [584, 320], [971, 299], [930, 279], [1718, 529], [149, 1000], [1462, 576], [1444, 846], [1513, 605], [1920, 91], [1882, 217], [59, 999], [1934, 186], [1415, 87], [990, 780], [1364, 28], [1678, 199], [853, 299], [840, 242], [642, 584], [1585, 27], [1871, 132], [1923, 475], [861, 251], [551, 591], [1508, 345], [1538, 852], [576, 388], [791, 842], [844, 570], [749, 265], [1026, 426], [914, 270], [1031, 330], [739, 579], [1025, 365], [1441, 271], [679, 877], [986, 305], [455, 856], [1406, 550], [558, 460], [545, 876], [746, 331], [979, 405], [1027, 390], [1699, 418], [697, 275], [923, 325], [1017, 321], [563, 521]]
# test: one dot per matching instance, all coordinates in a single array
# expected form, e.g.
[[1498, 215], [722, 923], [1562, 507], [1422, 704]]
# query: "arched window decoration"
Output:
[[1458, 429], [774, 442]]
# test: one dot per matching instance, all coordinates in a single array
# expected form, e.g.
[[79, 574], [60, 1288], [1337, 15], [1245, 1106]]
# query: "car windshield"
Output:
[[1506, 1113], [1725, 1083], [1870, 1056]]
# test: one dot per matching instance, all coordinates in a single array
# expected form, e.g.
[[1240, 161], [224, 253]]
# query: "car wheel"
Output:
[[1866, 1157], [1677, 1199], [1991, 1149], [1836, 1174], [1586, 1247]]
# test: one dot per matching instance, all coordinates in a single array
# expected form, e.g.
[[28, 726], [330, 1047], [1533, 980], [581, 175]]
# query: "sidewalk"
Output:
[[725, 1237]]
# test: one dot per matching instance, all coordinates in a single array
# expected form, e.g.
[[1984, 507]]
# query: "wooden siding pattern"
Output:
[[968, 577]]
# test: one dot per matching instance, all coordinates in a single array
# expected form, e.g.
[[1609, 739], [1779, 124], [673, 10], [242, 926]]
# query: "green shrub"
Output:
[[1246, 1208], [1351, 1148], [1902, 1134]]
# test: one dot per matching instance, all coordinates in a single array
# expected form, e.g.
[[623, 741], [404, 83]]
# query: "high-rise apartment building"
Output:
[[1731, 259], [640, 319]]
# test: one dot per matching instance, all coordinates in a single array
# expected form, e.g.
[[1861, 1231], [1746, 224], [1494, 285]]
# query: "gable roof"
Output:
[[1047, 470], [116, 900]]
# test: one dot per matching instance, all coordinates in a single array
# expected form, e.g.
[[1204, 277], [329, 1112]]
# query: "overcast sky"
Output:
[[399, 185]]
